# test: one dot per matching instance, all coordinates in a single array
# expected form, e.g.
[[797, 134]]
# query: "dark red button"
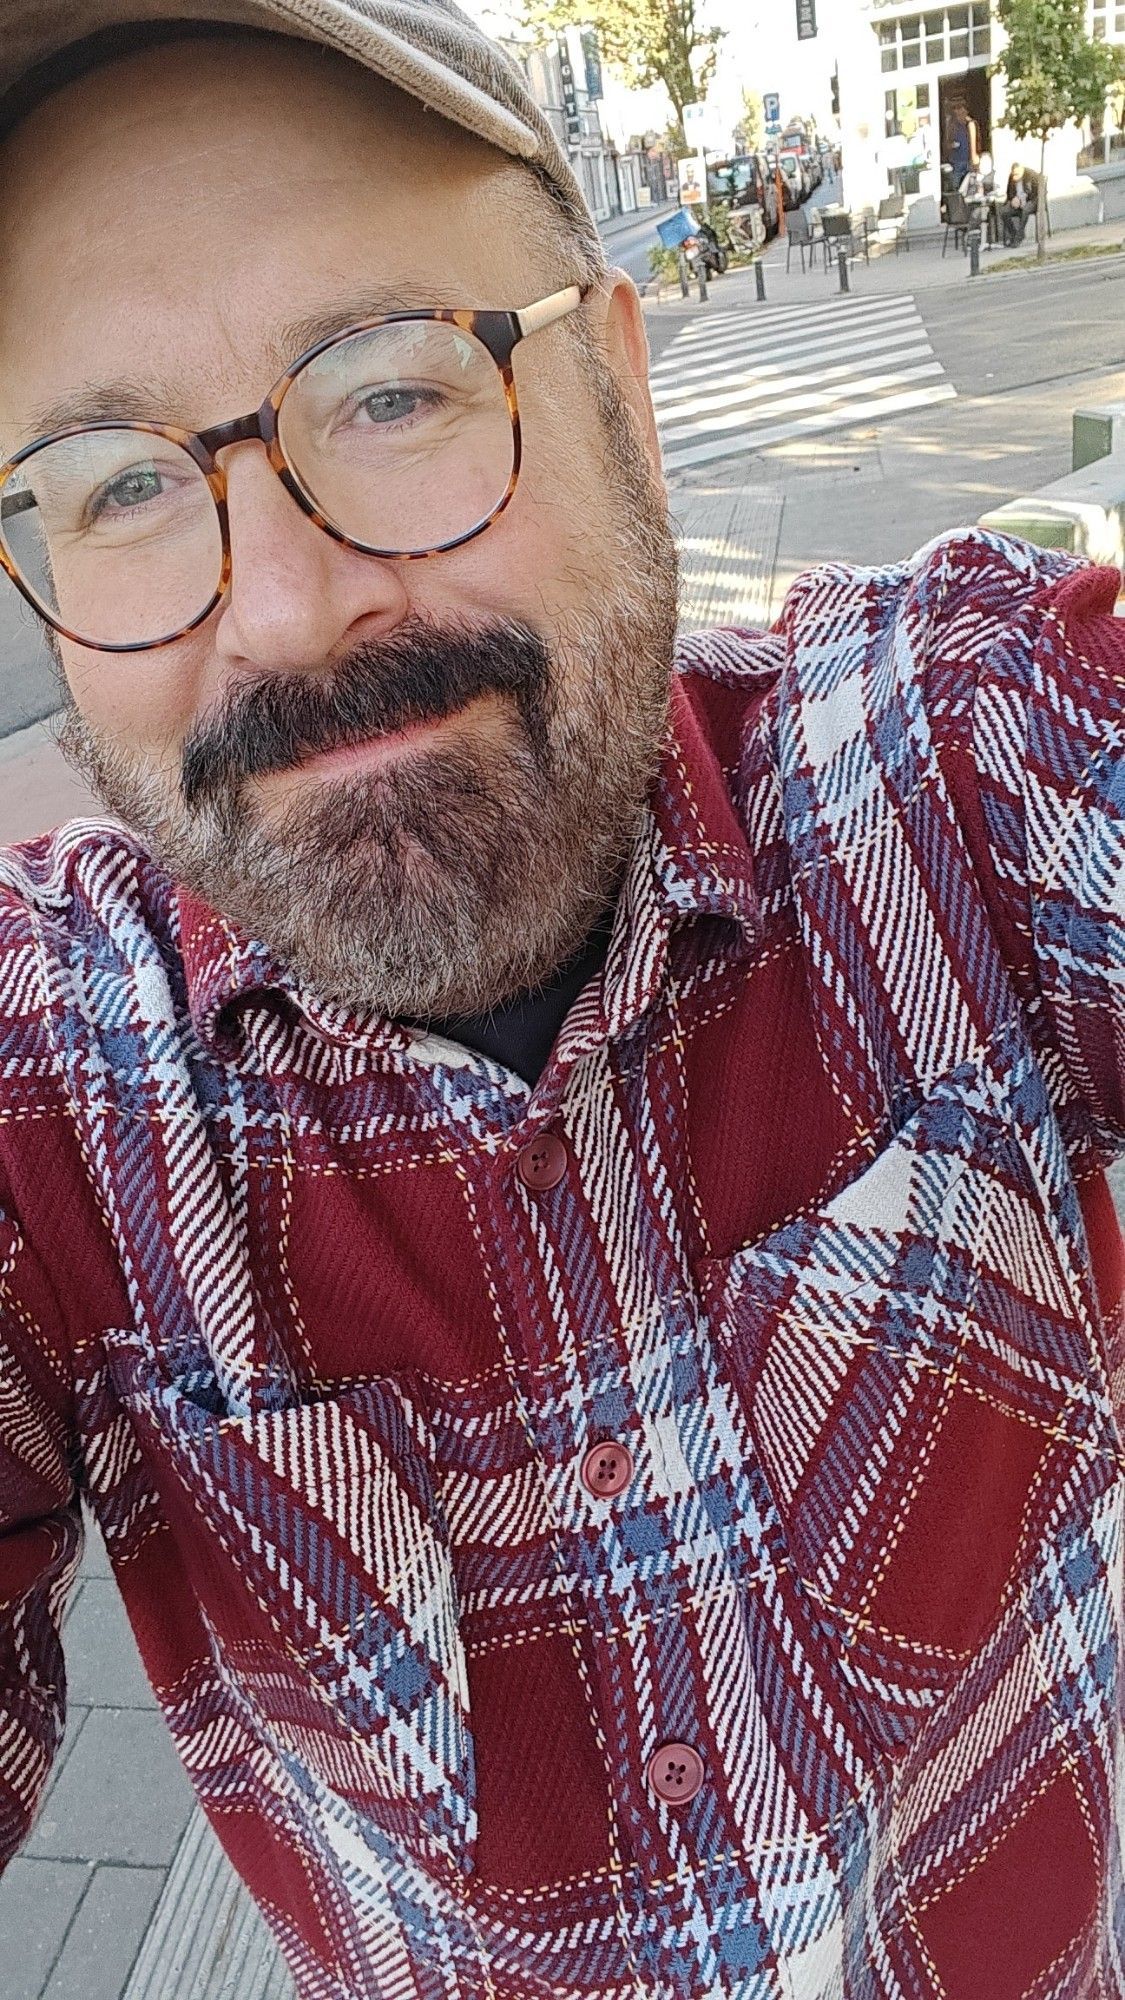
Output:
[[607, 1470], [675, 1772], [542, 1163]]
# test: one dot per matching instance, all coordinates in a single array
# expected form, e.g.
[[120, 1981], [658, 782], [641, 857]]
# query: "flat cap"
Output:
[[428, 48]]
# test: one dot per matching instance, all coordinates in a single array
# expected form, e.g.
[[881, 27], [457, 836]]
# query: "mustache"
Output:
[[420, 674]]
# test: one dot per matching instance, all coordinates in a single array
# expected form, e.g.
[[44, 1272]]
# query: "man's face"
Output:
[[416, 781]]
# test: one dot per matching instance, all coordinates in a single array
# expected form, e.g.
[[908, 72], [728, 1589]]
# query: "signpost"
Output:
[[569, 93], [806, 20], [591, 56]]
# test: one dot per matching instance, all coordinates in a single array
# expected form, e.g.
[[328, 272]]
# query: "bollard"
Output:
[[845, 281], [760, 280], [701, 274], [974, 253], [682, 265]]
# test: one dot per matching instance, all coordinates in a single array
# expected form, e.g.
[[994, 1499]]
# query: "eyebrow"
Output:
[[156, 401]]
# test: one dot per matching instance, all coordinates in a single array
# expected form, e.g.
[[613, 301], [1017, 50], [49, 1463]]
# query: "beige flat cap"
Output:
[[428, 48]]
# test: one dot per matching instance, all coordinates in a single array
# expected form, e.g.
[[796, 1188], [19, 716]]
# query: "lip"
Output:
[[373, 750]]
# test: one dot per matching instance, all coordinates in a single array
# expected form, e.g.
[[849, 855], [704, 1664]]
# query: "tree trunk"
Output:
[[1041, 204]]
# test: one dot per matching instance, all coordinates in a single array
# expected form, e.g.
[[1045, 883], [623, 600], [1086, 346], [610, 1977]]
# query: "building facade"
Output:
[[564, 76], [916, 91]]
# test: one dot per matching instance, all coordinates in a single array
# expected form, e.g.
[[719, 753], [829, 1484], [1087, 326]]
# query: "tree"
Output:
[[1053, 72], [649, 41], [752, 124]]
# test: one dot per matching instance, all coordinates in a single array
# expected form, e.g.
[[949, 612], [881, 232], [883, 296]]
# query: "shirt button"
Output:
[[675, 1773], [607, 1470], [542, 1163]]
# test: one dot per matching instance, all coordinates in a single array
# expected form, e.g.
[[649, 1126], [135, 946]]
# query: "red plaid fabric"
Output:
[[659, 1533]]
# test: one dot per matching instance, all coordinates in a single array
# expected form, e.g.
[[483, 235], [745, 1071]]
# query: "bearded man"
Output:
[[552, 1193]]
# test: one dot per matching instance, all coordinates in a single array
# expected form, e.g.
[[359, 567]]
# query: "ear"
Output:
[[625, 342]]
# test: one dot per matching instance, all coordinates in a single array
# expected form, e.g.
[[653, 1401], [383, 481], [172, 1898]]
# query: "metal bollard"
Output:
[[701, 274], [682, 266], [974, 253], [845, 281], [760, 280]]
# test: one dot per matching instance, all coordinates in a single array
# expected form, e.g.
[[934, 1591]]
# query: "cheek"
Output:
[[141, 703]]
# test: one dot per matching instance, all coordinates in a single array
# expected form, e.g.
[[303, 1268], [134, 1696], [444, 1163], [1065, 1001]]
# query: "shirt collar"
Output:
[[691, 859]]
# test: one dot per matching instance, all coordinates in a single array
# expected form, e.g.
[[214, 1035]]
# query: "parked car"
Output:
[[795, 179], [745, 181], [797, 139]]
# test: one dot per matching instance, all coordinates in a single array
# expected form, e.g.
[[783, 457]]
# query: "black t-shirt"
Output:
[[522, 1032]]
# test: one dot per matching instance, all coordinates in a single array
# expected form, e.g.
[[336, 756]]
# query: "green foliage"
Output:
[[752, 124], [664, 265], [648, 41], [1052, 70]]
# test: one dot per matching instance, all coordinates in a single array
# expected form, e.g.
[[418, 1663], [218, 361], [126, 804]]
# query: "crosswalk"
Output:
[[740, 380]]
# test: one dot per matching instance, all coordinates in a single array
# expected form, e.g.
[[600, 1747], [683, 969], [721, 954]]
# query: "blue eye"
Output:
[[130, 490], [397, 405]]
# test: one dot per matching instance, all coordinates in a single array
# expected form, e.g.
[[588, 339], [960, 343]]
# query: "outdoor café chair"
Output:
[[839, 233], [957, 219], [799, 231]]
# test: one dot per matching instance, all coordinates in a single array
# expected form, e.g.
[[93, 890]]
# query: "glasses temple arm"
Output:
[[544, 312], [16, 503]]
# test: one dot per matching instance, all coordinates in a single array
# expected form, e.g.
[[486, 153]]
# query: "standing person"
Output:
[[552, 1192], [963, 148]]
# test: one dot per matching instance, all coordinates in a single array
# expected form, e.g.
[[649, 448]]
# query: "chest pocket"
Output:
[[327, 1528], [921, 1388]]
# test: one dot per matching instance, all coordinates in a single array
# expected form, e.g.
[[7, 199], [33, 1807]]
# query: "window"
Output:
[[923, 97], [887, 36], [935, 38], [891, 118], [911, 55]]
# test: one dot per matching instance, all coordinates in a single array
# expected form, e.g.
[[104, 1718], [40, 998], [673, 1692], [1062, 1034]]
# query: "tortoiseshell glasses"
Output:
[[399, 437]]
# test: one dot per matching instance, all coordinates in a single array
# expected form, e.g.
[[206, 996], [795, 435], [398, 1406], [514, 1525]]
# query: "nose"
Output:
[[297, 597]]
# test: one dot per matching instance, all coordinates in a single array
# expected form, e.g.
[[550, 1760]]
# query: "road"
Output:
[[628, 243]]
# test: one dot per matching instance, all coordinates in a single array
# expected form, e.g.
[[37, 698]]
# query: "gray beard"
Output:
[[452, 879]]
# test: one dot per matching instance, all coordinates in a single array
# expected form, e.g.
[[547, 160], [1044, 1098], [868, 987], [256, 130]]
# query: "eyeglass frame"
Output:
[[497, 331]]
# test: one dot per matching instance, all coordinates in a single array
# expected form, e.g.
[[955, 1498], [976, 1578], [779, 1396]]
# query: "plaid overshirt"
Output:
[[832, 1266]]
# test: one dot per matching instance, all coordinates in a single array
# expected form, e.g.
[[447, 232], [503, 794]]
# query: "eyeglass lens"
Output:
[[400, 437]]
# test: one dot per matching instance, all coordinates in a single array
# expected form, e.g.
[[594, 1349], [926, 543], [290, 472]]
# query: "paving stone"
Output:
[[75, 1723], [37, 1901], [122, 1795], [95, 1561], [106, 1935], [103, 1665]]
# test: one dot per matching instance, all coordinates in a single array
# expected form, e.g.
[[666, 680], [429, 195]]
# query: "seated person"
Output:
[[1021, 200]]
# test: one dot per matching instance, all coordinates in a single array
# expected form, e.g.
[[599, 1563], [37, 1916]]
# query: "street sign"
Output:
[[806, 20], [704, 127], [569, 93], [591, 56], [771, 107]]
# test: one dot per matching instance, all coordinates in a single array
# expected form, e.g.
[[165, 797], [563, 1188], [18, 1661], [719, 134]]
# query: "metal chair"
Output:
[[957, 219], [839, 233], [799, 234]]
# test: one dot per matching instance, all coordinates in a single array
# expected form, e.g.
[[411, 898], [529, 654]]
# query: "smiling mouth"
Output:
[[375, 752]]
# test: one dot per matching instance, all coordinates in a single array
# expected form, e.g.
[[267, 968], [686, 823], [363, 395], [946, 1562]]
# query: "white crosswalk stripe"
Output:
[[740, 380]]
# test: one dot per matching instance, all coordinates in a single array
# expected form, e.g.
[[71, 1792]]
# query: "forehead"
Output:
[[175, 213]]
